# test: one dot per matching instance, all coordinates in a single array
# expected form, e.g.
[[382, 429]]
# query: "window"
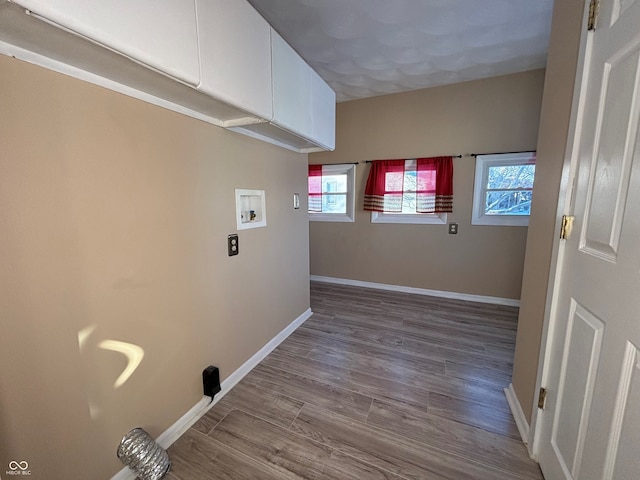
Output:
[[406, 182], [503, 189], [331, 192], [415, 191]]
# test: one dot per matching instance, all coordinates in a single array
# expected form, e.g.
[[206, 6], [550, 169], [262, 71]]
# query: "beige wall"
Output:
[[114, 217], [499, 114], [552, 142]]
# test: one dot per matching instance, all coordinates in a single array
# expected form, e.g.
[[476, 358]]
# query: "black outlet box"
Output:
[[211, 381]]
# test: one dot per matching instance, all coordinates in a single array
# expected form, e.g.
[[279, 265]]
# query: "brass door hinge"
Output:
[[566, 227], [593, 14], [542, 398]]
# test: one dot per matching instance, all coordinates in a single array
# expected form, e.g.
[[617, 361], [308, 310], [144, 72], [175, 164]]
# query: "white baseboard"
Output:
[[247, 366], [175, 431], [518, 414], [509, 302]]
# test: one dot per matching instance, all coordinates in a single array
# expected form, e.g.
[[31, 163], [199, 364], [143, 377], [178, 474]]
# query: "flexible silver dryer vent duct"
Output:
[[140, 452]]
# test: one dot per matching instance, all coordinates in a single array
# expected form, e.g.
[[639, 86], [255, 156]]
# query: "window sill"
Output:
[[417, 219], [330, 217], [501, 221]]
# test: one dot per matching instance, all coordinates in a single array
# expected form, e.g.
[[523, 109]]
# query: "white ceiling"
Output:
[[364, 48]]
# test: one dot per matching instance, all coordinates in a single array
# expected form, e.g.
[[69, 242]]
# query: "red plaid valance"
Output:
[[315, 188], [433, 185]]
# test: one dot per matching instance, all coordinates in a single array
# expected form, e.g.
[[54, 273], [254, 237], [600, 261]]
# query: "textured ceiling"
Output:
[[364, 48]]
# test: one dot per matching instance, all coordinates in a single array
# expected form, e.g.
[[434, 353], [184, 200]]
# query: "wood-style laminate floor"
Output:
[[375, 385]]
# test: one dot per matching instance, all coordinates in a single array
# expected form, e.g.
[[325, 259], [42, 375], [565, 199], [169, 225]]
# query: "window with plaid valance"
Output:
[[421, 185]]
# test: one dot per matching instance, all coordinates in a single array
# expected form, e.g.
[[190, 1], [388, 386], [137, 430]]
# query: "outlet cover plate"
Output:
[[232, 244]]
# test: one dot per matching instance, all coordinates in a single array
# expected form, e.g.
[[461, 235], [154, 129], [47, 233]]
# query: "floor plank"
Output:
[[289, 453], [375, 385], [308, 390], [477, 389], [475, 443], [392, 452], [264, 403], [198, 457], [446, 353], [363, 383], [471, 413]]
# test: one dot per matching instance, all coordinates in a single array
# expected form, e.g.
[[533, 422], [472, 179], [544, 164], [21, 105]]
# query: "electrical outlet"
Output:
[[453, 229], [233, 245]]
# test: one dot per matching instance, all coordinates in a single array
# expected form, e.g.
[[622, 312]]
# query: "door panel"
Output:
[[609, 181], [619, 7], [622, 459], [577, 378]]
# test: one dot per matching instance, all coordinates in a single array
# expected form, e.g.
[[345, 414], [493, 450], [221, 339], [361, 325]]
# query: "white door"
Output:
[[590, 428]]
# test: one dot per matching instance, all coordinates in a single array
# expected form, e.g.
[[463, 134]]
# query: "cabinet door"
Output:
[[323, 112], [291, 88], [161, 35], [235, 54]]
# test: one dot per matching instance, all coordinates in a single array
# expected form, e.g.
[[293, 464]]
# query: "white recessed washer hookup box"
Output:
[[251, 209]]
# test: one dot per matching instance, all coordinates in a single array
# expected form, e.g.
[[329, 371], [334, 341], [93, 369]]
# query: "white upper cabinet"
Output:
[[323, 112], [302, 102], [162, 35], [235, 55], [216, 60], [291, 88]]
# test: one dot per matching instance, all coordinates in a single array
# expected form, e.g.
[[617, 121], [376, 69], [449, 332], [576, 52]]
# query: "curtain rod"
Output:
[[499, 153], [348, 163], [452, 156], [476, 154]]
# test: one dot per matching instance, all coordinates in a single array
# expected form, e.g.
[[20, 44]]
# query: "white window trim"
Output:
[[483, 162], [350, 170], [410, 218]]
